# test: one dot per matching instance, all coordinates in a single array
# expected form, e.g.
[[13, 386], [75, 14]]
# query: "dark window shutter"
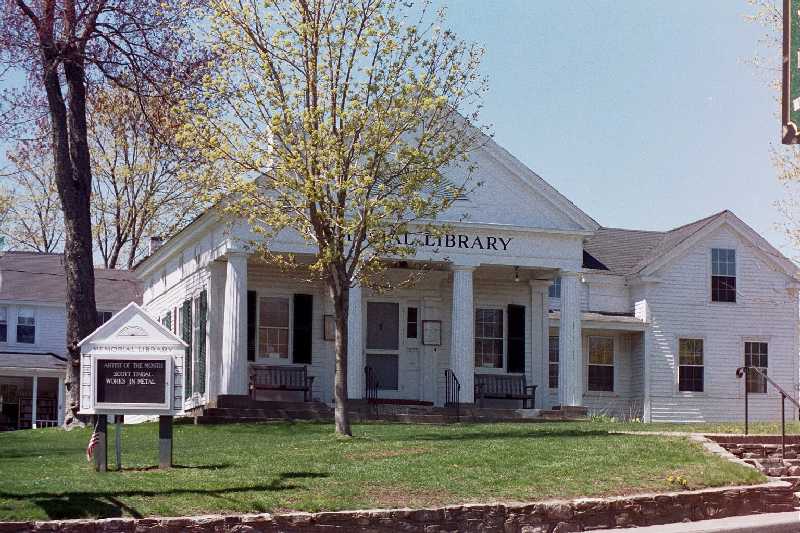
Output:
[[201, 343], [252, 302], [303, 316], [186, 329], [516, 338]]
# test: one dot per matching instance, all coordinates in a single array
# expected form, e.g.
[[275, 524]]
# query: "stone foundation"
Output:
[[546, 517]]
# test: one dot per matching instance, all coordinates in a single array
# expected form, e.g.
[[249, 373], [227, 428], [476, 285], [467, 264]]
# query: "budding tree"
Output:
[[338, 120]]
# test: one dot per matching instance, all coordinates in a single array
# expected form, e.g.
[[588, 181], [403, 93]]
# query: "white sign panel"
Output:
[[132, 365]]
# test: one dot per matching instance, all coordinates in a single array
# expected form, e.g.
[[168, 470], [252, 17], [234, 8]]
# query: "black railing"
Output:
[[452, 391], [371, 384], [745, 371]]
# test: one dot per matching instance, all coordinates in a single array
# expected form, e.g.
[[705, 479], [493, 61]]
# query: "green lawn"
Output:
[[763, 428], [302, 466]]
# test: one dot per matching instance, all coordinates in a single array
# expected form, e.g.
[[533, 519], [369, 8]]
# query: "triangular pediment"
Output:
[[506, 192], [132, 325]]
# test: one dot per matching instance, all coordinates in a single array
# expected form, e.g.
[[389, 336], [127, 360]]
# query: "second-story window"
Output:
[[26, 325], [554, 291], [3, 323], [103, 317], [723, 275]]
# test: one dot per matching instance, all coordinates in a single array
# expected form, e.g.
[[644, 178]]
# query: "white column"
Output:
[[540, 338], [35, 395], [570, 351], [462, 344], [216, 316], [234, 327], [355, 344], [60, 404]]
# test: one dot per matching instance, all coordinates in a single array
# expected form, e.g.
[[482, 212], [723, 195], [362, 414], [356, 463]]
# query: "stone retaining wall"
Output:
[[546, 517]]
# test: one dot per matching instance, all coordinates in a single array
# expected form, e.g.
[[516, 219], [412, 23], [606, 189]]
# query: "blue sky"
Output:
[[644, 113]]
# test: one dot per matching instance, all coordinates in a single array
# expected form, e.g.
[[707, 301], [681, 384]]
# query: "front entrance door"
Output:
[[387, 354]]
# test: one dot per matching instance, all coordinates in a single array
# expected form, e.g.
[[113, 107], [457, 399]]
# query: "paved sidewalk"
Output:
[[758, 523]]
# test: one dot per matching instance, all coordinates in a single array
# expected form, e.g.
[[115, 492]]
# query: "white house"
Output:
[[33, 333], [630, 323]]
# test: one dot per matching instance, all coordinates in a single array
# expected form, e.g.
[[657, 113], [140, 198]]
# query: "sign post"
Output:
[[790, 96], [132, 366]]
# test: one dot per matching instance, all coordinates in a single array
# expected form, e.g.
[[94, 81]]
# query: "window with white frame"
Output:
[[723, 275], [756, 355], [554, 291], [26, 325], [553, 362], [3, 323], [488, 338], [273, 327], [690, 365], [601, 364]]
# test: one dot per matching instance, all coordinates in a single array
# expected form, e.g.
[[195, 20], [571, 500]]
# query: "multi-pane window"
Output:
[[412, 321], [690, 365], [273, 327], [26, 325], [554, 291], [756, 355], [552, 380], [103, 317], [3, 323], [601, 364], [489, 338], [723, 275]]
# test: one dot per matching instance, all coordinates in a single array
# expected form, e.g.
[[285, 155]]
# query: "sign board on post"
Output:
[[790, 98], [132, 365]]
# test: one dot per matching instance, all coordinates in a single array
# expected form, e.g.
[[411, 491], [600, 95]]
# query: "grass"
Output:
[[755, 428], [303, 466]]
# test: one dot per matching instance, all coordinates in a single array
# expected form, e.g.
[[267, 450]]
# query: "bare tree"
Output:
[[60, 48], [33, 219], [138, 188]]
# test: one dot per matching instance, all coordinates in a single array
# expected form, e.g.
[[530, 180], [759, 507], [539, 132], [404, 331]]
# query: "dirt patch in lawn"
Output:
[[393, 497]]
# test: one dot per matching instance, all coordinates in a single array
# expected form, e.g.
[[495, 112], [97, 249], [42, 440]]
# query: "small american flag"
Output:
[[92, 443]]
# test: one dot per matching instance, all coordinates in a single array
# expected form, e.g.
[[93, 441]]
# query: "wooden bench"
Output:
[[280, 378], [504, 387]]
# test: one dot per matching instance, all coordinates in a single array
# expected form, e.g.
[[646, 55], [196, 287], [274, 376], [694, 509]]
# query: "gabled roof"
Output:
[[627, 252], [39, 277]]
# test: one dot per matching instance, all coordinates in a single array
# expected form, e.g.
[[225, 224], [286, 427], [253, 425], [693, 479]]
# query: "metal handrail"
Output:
[[371, 384], [452, 391], [744, 371]]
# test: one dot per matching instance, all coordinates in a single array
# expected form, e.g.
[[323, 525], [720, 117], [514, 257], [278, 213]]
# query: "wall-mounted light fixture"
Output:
[[516, 274]]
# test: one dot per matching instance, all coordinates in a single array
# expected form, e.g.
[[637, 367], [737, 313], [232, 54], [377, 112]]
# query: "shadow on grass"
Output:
[[151, 468], [107, 504], [491, 435]]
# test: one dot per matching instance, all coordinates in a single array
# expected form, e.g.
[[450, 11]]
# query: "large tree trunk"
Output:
[[74, 182], [340, 296]]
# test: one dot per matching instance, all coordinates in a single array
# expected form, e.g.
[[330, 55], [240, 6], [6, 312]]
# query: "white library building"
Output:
[[527, 303]]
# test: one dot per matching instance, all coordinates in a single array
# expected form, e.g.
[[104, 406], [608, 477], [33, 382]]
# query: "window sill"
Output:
[[600, 394], [692, 394]]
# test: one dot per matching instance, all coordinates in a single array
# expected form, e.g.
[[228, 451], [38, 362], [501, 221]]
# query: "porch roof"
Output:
[[600, 320], [32, 361]]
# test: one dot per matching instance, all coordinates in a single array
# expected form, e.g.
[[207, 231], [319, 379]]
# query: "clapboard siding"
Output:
[[680, 306]]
